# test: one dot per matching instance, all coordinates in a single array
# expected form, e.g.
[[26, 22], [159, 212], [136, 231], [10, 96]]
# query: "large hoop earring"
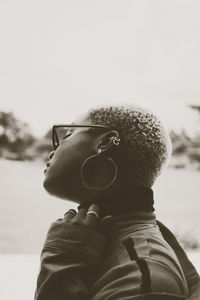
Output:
[[86, 166]]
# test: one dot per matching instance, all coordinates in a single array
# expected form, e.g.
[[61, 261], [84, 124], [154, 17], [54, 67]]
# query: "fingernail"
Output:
[[95, 207], [94, 204]]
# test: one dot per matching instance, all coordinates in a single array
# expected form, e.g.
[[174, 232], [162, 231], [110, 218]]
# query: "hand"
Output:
[[89, 220], [82, 218]]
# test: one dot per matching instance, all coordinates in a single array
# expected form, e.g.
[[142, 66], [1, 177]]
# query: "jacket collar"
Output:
[[126, 201], [128, 223]]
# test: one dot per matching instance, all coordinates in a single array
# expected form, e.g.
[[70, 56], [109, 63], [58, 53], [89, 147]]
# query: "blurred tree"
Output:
[[195, 107], [180, 142], [15, 135], [48, 135], [42, 146]]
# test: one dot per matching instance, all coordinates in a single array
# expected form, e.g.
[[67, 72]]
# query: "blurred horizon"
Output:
[[184, 118]]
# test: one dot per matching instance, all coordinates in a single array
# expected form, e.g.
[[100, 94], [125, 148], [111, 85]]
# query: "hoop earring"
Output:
[[85, 168]]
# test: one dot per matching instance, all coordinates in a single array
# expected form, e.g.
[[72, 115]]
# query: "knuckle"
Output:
[[89, 223], [75, 222]]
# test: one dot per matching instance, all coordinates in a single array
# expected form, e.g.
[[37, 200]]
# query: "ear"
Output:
[[107, 140]]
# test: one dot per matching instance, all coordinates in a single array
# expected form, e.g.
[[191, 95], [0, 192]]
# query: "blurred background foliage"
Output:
[[186, 148], [18, 143]]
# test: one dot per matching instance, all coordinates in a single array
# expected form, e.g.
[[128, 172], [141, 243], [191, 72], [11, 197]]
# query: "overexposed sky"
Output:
[[58, 58]]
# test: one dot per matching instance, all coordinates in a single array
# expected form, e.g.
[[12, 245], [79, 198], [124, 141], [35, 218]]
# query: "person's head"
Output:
[[135, 147]]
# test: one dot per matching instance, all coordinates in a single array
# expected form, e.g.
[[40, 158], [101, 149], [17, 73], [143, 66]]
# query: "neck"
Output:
[[125, 201]]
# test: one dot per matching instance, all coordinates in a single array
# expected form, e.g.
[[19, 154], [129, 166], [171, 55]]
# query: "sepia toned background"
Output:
[[59, 58]]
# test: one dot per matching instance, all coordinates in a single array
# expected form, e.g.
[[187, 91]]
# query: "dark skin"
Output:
[[62, 177]]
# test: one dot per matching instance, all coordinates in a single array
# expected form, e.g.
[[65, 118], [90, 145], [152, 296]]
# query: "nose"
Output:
[[51, 154]]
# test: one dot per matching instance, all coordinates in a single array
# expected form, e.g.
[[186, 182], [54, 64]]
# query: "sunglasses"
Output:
[[61, 132]]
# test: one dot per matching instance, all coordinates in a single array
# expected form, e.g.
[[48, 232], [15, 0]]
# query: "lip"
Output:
[[48, 165]]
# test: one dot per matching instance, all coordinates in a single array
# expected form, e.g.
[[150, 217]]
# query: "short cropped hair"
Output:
[[146, 143]]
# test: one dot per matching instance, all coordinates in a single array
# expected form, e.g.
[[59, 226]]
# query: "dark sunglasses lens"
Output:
[[61, 133]]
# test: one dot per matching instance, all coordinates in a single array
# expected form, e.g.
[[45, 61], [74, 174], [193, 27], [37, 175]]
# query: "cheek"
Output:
[[63, 175], [63, 165], [62, 178]]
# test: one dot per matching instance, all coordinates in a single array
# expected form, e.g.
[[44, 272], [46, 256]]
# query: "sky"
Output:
[[59, 58]]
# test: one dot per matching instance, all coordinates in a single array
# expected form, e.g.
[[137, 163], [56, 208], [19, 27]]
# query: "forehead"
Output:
[[83, 119]]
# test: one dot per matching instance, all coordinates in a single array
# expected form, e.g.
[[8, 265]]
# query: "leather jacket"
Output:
[[136, 257]]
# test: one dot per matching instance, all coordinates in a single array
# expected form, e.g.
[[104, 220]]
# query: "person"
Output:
[[113, 247]]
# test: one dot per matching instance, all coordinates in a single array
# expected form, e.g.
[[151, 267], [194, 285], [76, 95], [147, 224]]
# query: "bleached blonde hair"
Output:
[[145, 140]]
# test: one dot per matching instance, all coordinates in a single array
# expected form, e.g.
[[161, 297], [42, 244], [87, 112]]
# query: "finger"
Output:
[[80, 216], [92, 216], [105, 223], [82, 206], [70, 214], [107, 220]]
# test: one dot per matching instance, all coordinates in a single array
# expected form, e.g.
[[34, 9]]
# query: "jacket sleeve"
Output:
[[191, 274], [69, 256]]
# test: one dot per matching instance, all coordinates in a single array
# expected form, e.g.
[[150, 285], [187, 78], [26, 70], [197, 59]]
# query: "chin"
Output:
[[62, 192], [48, 186], [51, 184]]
